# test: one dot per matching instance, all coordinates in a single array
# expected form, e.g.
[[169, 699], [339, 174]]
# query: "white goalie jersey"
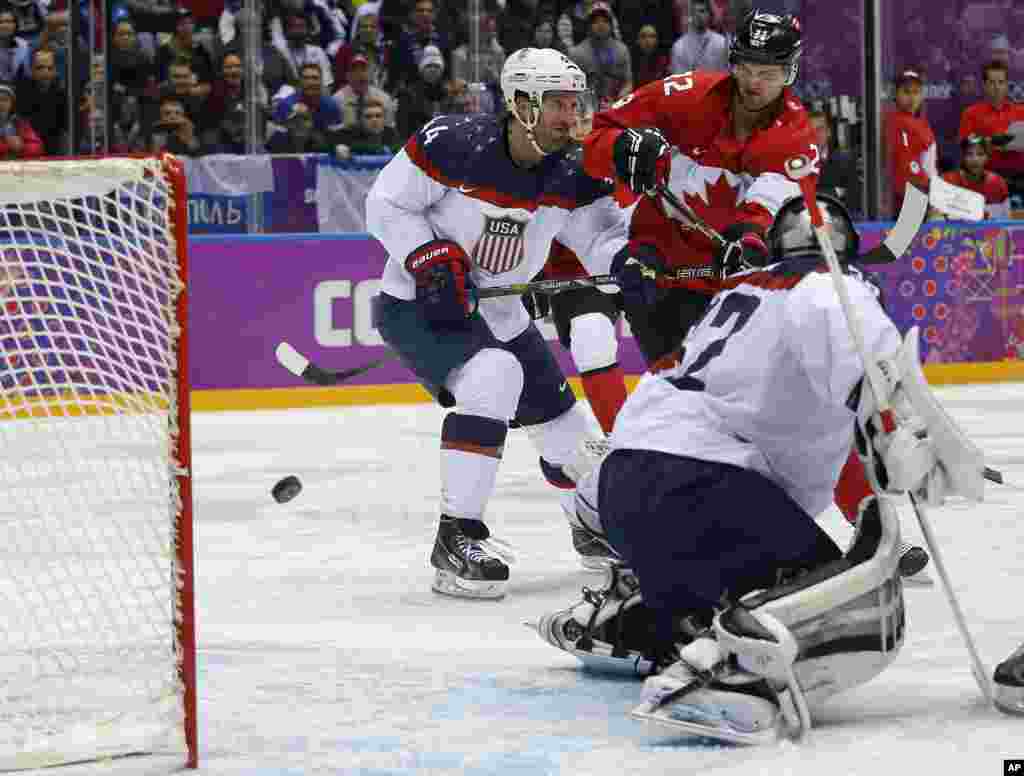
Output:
[[765, 380]]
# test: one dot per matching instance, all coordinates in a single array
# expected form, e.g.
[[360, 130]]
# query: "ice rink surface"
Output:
[[322, 649]]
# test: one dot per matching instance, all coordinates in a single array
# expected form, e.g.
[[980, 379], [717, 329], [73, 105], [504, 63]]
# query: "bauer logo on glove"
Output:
[[441, 271]]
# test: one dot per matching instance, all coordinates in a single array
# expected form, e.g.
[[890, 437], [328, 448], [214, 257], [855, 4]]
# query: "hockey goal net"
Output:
[[97, 640]]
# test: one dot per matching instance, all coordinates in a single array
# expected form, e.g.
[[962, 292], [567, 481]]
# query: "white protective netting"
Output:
[[89, 282]]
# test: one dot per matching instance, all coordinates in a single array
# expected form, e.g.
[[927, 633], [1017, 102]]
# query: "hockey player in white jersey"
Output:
[[745, 609], [474, 202]]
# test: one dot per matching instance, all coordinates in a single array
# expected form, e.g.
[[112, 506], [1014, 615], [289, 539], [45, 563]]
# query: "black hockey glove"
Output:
[[441, 270], [745, 249], [642, 158], [636, 268]]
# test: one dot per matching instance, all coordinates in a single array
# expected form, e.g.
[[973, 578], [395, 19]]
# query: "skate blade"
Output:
[[1008, 699], [447, 583], [920, 579], [627, 666], [597, 562], [691, 722]]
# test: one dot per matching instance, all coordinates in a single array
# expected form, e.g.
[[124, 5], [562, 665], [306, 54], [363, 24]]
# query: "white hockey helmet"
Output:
[[533, 72]]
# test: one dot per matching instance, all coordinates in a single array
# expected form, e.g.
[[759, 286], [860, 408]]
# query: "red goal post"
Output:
[[97, 625]]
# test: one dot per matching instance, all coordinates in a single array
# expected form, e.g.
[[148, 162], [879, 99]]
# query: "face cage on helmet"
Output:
[[835, 213]]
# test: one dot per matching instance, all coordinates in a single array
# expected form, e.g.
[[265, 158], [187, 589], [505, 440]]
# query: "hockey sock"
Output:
[[471, 449], [852, 488], [606, 391]]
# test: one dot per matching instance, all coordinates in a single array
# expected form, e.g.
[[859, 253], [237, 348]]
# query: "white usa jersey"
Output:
[[455, 180], [765, 380]]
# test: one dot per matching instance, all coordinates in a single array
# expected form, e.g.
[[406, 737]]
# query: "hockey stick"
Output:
[[911, 216], [882, 399], [694, 221], [300, 366], [554, 285]]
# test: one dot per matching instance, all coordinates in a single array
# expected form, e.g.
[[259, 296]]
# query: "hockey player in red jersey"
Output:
[[974, 155], [731, 145]]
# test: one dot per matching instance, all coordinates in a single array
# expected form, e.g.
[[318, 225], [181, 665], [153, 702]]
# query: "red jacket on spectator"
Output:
[[992, 187], [984, 119], [31, 145]]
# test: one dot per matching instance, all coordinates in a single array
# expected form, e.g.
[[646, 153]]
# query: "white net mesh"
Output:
[[89, 281]]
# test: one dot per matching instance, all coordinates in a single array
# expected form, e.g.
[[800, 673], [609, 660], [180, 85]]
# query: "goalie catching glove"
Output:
[[441, 271], [924, 451]]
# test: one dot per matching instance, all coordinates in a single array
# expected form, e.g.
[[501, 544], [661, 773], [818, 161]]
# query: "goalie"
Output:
[[743, 608]]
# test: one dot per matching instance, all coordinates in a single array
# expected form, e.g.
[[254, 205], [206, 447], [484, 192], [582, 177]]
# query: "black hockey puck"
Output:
[[286, 489]]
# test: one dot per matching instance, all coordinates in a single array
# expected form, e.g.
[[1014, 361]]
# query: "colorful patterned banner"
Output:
[[964, 287]]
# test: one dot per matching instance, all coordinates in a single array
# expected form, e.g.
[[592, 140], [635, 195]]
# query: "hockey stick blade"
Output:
[[994, 475], [300, 366], [912, 216]]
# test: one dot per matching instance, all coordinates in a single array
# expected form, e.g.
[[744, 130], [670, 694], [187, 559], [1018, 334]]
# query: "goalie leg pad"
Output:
[[695, 530], [847, 618]]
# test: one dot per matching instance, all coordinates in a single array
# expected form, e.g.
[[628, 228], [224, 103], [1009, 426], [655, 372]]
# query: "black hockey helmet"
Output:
[[792, 233], [768, 39]]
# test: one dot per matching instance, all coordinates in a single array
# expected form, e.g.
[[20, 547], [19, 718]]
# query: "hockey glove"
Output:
[[901, 459], [440, 269], [745, 249], [636, 268], [642, 158]]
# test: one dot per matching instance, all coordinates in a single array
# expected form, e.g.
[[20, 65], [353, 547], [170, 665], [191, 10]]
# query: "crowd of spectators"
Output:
[[345, 76], [361, 76]]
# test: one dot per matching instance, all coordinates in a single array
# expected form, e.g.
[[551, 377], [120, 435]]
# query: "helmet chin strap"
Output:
[[529, 129]]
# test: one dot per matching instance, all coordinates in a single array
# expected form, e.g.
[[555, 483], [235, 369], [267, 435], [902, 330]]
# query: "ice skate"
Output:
[[1009, 684], [698, 696], [464, 567], [608, 630], [594, 552], [914, 565]]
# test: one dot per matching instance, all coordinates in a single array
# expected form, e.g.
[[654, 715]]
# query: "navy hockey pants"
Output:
[[698, 533], [432, 352]]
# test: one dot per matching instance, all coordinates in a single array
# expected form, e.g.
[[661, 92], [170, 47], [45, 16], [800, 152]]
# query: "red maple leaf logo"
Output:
[[720, 207]]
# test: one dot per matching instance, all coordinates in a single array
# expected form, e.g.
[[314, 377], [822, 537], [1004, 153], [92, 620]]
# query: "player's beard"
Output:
[[553, 139]]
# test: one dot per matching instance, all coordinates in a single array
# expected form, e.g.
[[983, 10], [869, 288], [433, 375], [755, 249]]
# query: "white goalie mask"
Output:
[[534, 72]]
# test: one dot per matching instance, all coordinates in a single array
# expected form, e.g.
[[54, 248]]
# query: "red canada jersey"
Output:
[[985, 120], [563, 264], [991, 186], [725, 180], [910, 145]]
